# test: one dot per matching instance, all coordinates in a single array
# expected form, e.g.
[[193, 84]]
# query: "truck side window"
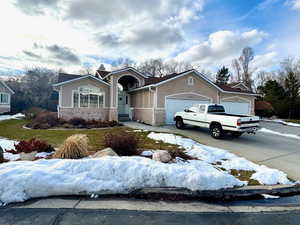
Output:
[[202, 109]]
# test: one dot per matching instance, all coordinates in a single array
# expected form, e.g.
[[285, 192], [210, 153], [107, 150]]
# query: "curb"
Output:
[[248, 192]]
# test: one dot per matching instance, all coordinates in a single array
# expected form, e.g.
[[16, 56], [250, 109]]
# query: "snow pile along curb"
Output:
[[22, 180]]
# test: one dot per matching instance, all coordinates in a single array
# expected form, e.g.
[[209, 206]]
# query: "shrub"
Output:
[[76, 121], [32, 112], [45, 120], [74, 147], [31, 146], [123, 143]]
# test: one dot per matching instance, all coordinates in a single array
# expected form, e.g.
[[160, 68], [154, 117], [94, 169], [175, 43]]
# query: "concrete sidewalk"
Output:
[[124, 203]]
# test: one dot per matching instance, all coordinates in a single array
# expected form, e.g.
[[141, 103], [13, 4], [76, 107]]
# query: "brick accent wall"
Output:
[[85, 113]]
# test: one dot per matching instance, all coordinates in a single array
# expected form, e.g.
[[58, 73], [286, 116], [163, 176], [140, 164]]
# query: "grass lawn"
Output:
[[13, 129], [293, 121]]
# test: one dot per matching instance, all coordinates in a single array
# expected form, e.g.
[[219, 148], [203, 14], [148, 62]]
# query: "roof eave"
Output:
[[80, 78]]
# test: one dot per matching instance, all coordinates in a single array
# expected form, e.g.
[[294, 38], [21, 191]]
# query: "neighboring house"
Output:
[[152, 100], [5, 96]]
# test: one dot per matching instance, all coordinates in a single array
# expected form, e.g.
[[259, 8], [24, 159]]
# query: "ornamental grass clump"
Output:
[[74, 147]]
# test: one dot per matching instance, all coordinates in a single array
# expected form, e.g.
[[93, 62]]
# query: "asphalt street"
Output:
[[14, 216]]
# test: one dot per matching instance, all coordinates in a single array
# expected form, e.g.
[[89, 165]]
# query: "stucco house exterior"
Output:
[[5, 97], [128, 93]]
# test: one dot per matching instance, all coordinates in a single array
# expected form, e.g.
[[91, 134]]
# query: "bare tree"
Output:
[[159, 68], [87, 69], [245, 59], [237, 68]]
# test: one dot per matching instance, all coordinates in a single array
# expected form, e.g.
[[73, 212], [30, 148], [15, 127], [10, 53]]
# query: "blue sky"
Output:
[[206, 33]]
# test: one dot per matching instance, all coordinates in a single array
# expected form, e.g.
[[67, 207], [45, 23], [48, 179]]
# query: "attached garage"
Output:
[[236, 106], [174, 105]]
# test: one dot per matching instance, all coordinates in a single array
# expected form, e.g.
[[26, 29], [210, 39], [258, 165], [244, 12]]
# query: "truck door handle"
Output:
[[195, 114]]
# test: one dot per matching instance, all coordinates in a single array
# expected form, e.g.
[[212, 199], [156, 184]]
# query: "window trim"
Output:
[[8, 98], [79, 92], [190, 81]]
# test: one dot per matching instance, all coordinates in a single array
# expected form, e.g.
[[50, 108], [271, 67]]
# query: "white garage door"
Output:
[[238, 108], [175, 105]]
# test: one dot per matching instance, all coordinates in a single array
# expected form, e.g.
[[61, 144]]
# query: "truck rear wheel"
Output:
[[179, 123], [216, 131]]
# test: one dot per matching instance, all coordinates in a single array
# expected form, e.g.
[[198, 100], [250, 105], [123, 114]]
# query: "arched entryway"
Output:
[[125, 84]]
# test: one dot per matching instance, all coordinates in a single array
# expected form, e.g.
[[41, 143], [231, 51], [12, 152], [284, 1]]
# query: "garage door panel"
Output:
[[176, 105], [238, 108]]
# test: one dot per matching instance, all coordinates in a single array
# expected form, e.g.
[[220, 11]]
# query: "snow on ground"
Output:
[[226, 160], [283, 122], [22, 180], [11, 117], [8, 145], [265, 130]]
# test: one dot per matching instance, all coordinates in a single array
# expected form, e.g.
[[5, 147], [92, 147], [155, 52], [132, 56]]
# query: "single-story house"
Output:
[[128, 93], [5, 97]]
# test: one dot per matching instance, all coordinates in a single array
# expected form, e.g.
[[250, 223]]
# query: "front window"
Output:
[[4, 98], [88, 96]]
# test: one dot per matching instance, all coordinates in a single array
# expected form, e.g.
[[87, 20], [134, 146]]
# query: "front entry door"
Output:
[[123, 105]]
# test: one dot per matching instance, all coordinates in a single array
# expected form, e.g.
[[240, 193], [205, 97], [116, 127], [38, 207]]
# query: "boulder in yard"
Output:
[[162, 156], [28, 156], [104, 152]]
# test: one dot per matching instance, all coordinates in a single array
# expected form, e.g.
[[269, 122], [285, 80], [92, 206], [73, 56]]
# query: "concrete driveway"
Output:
[[272, 150]]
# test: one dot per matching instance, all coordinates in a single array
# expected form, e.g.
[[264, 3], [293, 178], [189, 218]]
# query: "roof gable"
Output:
[[5, 85], [69, 78], [124, 70]]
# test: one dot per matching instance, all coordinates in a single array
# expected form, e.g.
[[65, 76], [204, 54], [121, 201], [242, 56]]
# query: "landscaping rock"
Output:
[[162, 156], [104, 152], [28, 156]]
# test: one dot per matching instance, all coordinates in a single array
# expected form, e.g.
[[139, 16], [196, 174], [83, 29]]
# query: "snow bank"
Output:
[[11, 117], [22, 180], [265, 130], [226, 160], [7, 145]]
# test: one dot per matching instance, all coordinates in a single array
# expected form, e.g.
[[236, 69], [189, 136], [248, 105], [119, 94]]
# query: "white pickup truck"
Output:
[[213, 116]]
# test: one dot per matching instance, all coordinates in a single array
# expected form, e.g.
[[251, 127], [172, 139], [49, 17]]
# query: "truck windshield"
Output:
[[216, 109]]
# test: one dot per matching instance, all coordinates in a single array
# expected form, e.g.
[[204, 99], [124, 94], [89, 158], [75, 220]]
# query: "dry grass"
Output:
[[244, 175], [74, 147]]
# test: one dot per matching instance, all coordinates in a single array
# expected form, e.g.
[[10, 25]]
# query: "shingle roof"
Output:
[[154, 80], [227, 87], [62, 77]]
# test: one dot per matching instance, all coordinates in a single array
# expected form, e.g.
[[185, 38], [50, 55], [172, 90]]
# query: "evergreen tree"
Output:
[[223, 75], [292, 86]]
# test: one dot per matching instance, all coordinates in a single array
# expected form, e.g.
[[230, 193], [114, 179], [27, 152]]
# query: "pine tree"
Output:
[[292, 86], [223, 75]]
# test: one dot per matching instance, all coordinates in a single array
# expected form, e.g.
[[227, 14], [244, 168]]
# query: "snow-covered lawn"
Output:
[[22, 180], [265, 130], [11, 117]]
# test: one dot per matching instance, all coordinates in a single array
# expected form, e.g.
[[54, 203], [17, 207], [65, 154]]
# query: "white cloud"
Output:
[[221, 46], [295, 4], [265, 61]]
